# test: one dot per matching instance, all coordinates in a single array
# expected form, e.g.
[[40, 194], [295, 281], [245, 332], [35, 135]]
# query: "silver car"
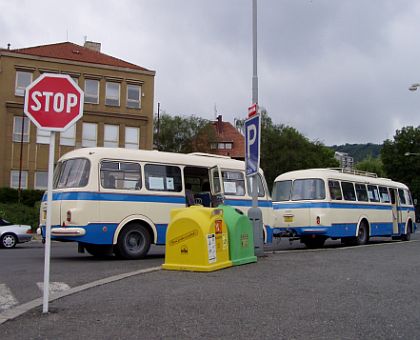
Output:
[[11, 234]]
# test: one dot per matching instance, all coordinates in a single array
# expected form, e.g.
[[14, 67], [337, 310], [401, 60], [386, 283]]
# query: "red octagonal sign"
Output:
[[54, 102]]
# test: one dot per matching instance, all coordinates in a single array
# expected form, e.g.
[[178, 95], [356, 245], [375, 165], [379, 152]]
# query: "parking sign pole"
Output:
[[47, 254]]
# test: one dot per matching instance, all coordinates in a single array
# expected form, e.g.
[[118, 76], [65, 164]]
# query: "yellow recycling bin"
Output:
[[197, 240]]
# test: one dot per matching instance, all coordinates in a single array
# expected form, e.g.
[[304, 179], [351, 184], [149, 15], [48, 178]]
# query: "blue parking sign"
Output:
[[252, 145]]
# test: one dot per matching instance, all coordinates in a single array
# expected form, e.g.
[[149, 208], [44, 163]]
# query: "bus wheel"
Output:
[[363, 234], [133, 242], [407, 237], [312, 243], [98, 250]]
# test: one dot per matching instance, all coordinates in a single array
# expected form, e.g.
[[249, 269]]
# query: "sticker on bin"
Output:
[[218, 226], [211, 246]]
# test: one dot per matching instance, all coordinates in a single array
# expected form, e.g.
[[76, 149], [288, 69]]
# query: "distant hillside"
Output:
[[359, 151]]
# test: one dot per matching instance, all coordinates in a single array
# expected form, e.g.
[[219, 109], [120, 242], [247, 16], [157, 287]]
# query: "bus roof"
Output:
[[154, 156], [339, 174]]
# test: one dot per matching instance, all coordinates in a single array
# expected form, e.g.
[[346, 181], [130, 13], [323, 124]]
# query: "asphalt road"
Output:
[[333, 293]]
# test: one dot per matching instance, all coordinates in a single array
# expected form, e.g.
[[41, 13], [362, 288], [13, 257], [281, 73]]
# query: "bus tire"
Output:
[[363, 234], [98, 250], [313, 242], [407, 237], [133, 242]]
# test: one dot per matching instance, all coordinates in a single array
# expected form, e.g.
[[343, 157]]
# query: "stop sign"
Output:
[[54, 102]]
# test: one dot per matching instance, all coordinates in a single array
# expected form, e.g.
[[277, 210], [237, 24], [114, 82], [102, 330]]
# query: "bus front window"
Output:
[[72, 173]]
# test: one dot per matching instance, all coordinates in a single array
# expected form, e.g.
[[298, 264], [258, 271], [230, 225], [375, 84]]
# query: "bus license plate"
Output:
[[288, 219]]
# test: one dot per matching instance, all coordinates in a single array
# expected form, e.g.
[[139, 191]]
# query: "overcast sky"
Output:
[[337, 71]]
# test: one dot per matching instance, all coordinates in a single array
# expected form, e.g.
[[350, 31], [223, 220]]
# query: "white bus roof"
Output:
[[154, 156], [338, 174]]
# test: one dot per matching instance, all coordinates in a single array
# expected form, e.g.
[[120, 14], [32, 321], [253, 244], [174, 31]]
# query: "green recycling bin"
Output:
[[241, 236]]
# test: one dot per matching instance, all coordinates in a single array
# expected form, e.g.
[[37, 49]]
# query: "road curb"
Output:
[[13, 313]]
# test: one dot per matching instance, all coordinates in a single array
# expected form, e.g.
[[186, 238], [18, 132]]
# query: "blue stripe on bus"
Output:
[[101, 196], [338, 230], [247, 203], [328, 205]]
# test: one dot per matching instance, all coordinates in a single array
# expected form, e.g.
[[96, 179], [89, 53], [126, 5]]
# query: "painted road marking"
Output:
[[54, 287], [7, 300]]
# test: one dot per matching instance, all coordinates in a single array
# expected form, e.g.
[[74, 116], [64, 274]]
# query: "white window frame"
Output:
[[130, 143], [14, 179], [89, 138], [112, 99], [68, 137], [91, 98], [134, 103], [17, 129], [20, 87], [111, 139], [43, 136], [38, 178]]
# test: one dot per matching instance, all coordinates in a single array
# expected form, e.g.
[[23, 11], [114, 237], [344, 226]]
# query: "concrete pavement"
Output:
[[346, 293]]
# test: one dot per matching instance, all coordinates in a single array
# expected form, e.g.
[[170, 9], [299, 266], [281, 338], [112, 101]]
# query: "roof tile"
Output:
[[74, 52]]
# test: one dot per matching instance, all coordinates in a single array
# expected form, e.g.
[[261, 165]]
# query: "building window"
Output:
[[112, 94], [14, 179], [41, 180], [213, 146], [43, 136], [111, 136], [221, 146], [68, 137], [89, 135], [133, 96], [92, 91], [17, 129], [23, 79], [132, 135]]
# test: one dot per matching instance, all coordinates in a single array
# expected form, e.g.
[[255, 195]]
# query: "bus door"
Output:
[[216, 186], [396, 215]]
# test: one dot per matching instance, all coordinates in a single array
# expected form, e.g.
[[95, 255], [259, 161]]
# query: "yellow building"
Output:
[[118, 108]]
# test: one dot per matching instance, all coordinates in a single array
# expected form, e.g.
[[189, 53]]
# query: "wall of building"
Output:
[[34, 156]]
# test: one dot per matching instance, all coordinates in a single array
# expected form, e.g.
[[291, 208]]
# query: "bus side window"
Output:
[[260, 185], [361, 192], [392, 192], [383, 192], [401, 195], [373, 193], [348, 191], [335, 190]]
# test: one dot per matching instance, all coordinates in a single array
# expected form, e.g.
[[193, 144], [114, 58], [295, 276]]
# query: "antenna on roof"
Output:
[[215, 111], [85, 37]]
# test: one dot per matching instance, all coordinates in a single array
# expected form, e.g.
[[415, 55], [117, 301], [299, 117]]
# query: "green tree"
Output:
[[371, 164], [397, 165], [182, 134]]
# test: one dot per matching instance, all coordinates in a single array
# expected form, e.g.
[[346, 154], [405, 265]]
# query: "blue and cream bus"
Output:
[[119, 200], [317, 204]]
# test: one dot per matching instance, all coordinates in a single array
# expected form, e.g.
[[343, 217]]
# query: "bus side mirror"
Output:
[[415, 201]]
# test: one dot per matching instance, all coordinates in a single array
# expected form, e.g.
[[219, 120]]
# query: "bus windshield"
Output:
[[308, 189], [72, 173]]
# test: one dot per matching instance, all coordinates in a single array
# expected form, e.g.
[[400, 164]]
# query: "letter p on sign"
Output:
[[252, 145]]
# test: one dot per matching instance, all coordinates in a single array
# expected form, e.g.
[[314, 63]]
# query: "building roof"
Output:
[[74, 52], [227, 133]]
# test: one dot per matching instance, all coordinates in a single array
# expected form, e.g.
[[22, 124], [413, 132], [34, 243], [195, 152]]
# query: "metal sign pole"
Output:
[[255, 213], [48, 224]]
